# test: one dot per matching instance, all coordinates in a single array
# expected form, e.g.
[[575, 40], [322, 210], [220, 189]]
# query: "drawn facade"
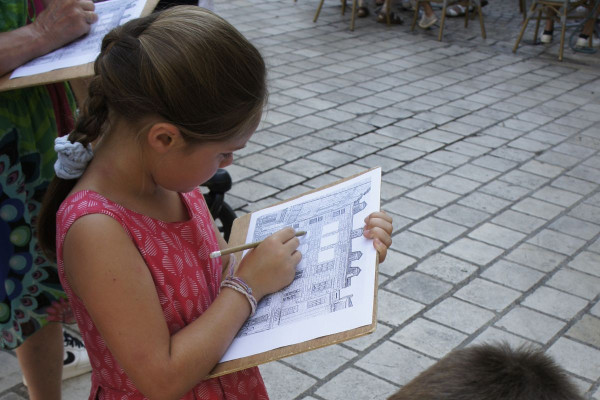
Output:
[[326, 267]]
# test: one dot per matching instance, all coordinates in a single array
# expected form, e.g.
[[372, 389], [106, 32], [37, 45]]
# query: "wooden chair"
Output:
[[561, 8], [445, 4], [354, 9], [522, 8]]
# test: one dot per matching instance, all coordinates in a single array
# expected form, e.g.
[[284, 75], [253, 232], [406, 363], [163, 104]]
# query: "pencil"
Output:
[[246, 246]]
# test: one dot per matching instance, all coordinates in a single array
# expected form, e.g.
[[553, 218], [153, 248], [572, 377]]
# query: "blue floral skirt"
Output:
[[30, 291]]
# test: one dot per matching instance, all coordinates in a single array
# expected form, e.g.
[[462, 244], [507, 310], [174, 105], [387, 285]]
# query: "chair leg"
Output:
[[343, 7], [483, 35], [388, 9], [467, 13], [536, 32], [441, 34], [416, 14], [563, 31], [524, 26], [318, 10], [353, 14]]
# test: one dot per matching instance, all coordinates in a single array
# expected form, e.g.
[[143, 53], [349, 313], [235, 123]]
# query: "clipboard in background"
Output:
[[239, 236], [63, 74]]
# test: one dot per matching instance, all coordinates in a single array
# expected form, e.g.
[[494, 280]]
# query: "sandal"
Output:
[[394, 18], [362, 12]]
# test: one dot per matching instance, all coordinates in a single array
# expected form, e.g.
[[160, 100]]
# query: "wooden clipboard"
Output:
[[238, 236], [59, 75]]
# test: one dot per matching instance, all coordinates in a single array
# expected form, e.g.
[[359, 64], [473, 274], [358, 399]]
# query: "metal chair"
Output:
[[561, 8], [217, 186], [445, 4]]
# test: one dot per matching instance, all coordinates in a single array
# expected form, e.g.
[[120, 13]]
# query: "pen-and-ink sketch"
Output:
[[327, 263]]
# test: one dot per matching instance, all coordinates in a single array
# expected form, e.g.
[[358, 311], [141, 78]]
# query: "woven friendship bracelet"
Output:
[[241, 288]]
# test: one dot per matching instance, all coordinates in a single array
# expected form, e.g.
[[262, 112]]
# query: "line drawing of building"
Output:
[[327, 258]]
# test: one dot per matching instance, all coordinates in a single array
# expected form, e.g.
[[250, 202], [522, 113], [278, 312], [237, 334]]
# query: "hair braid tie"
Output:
[[73, 158]]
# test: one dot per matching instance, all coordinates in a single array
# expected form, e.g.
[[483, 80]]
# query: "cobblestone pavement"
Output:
[[491, 169]]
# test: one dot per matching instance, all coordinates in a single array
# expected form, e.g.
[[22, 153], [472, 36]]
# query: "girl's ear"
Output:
[[163, 136]]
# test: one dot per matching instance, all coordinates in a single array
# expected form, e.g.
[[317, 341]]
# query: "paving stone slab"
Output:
[[512, 275], [429, 338], [496, 235], [447, 268], [283, 382], [487, 294], [575, 227], [518, 221], [535, 257], [395, 363], [587, 262], [323, 361], [473, 251], [355, 384], [394, 310], [577, 358], [494, 336], [395, 263], [364, 342], [575, 282], [555, 303], [586, 330], [557, 241], [460, 315], [530, 324]]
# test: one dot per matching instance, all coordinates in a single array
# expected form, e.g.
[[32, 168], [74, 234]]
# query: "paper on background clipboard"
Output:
[[111, 13], [334, 286]]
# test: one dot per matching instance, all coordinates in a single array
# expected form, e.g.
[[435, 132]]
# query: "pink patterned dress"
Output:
[[186, 279]]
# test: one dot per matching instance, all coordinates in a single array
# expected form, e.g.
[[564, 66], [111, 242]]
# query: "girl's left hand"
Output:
[[378, 226]]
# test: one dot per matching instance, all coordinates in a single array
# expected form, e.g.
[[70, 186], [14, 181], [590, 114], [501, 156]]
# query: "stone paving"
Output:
[[491, 170]]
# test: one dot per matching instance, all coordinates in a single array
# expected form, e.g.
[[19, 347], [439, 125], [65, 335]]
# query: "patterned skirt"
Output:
[[30, 290]]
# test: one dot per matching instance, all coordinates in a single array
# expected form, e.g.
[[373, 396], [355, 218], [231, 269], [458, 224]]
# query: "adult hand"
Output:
[[64, 21], [60, 23]]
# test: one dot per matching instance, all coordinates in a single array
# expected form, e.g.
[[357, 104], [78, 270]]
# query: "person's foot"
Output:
[[583, 42], [76, 360], [362, 12], [546, 37], [427, 22]]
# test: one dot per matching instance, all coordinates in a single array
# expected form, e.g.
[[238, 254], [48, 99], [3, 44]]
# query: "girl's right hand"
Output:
[[272, 265]]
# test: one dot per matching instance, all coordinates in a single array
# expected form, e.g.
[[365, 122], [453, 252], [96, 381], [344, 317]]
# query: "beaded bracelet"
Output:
[[236, 283]]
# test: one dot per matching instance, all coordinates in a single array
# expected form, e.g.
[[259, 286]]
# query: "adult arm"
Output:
[[60, 23]]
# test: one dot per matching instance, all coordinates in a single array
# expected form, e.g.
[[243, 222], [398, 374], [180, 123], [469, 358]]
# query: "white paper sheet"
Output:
[[334, 286], [111, 13]]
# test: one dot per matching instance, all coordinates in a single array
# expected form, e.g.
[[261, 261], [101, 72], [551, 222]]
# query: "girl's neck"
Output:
[[119, 171]]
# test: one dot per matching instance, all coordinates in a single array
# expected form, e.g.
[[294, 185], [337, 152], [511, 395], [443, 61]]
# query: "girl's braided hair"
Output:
[[184, 65]]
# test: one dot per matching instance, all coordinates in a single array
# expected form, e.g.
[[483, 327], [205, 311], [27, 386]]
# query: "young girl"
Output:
[[174, 95]]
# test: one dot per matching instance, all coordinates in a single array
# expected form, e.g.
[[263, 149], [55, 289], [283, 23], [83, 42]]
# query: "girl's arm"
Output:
[[60, 23], [107, 272]]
